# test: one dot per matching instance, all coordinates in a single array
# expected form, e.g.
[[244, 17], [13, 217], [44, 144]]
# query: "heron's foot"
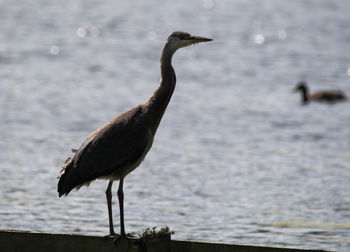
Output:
[[127, 237], [117, 238], [120, 239], [111, 236]]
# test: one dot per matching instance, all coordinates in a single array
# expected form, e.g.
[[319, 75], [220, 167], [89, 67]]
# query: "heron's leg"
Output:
[[121, 206], [109, 205]]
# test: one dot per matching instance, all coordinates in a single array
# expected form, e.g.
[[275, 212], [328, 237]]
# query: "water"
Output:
[[236, 159]]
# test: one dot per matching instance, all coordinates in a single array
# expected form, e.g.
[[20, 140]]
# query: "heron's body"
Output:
[[110, 152], [118, 147], [329, 96]]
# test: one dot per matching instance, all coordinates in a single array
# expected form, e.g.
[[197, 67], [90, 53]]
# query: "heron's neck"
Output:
[[161, 97]]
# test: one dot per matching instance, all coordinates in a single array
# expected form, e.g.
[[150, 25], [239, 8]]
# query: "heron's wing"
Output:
[[119, 143]]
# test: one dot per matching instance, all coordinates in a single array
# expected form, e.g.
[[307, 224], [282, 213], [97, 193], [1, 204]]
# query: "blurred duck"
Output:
[[330, 96]]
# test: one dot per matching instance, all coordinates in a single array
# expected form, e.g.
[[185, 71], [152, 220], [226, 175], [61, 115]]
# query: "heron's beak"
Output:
[[197, 39]]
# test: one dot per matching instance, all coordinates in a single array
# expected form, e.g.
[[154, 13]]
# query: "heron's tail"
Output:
[[63, 187]]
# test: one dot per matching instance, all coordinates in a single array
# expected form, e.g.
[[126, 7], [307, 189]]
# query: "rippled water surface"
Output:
[[236, 159]]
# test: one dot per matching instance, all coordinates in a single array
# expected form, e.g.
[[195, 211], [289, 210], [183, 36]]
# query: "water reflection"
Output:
[[208, 4], [282, 34], [82, 32], [54, 50], [259, 39]]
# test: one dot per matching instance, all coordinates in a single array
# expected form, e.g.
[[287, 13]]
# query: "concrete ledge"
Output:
[[22, 241], [16, 241], [188, 246]]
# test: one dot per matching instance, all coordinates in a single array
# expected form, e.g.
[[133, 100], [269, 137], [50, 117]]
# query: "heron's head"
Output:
[[181, 39]]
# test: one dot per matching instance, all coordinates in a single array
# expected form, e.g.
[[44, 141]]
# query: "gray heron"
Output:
[[119, 146]]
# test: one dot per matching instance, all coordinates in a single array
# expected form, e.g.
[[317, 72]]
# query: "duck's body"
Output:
[[328, 96]]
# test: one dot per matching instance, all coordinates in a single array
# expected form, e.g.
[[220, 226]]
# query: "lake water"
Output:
[[237, 158]]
